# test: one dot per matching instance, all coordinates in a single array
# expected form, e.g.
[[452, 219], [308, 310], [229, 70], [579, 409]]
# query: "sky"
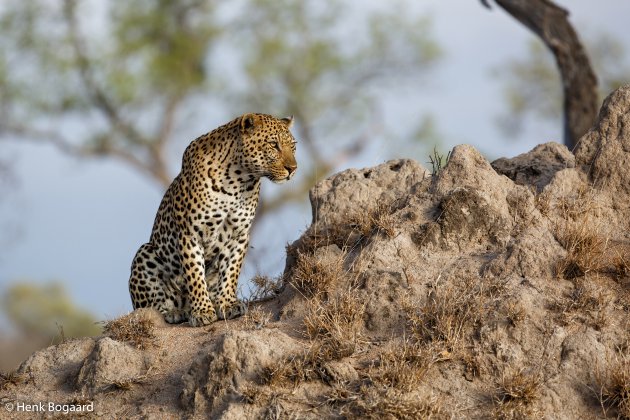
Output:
[[81, 222]]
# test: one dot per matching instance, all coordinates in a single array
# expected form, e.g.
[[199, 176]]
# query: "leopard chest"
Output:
[[226, 226]]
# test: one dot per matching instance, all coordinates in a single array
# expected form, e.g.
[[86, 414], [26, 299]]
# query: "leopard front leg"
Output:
[[202, 311], [226, 303]]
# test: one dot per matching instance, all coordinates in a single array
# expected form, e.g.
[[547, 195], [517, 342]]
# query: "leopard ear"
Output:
[[248, 123], [288, 121]]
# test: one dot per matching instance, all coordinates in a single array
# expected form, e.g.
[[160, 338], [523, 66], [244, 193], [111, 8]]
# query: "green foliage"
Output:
[[532, 85], [438, 161], [160, 47], [127, 74], [311, 61], [46, 311]]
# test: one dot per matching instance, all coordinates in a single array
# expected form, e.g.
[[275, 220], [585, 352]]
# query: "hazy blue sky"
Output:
[[82, 222]]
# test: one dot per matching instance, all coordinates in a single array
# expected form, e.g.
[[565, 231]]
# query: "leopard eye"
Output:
[[275, 144]]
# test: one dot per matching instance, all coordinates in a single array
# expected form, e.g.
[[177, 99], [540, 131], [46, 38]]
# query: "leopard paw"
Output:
[[237, 309], [175, 316], [199, 318]]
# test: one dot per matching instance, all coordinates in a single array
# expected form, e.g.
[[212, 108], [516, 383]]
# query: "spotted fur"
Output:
[[189, 268]]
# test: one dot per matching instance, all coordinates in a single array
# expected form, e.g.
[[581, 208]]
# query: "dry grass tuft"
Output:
[[450, 314], [314, 277], [621, 262], [402, 365], [334, 326], [126, 384], [314, 237], [256, 318], [581, 234], [614, 385], [134, 328], [516, 393], [437, 332], [586, 250], [587, 296], [379, 220], [10, 379], [337, 322], [371, 403], [271, 401], [252, 394], [515, 313], [80, 399], [355, 230], [587, 238], [588, 302], [542, 202], [265, 288], [290, 371]]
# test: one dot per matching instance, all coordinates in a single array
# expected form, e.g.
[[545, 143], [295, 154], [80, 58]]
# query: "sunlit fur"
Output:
[[189, 268]]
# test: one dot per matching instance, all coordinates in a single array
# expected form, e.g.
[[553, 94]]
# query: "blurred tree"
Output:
[[309, 61], [114, 79], [532, 86], [579, 84], [40, 311]]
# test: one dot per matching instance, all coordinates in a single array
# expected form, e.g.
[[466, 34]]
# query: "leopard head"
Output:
[[268, 147]]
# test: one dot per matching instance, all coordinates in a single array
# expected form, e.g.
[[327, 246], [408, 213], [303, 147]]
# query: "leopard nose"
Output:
[[290, 169]]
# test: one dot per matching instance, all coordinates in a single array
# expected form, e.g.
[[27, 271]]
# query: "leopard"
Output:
[[189, 269]]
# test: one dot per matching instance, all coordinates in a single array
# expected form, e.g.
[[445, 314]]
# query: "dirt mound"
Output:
[[484, 290]]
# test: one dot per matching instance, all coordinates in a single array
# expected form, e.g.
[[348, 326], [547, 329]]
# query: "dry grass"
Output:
[[591, 257], [256, 318], [517, 391], [80, 399], [334, 326], [403, 365], [585, 235], [614, 385], [438, 331], [134, 328], [581, 233], [265, 288], [308, 366], [292, 370], [126, 384], [355, 230], [543, 202], [272, 401], [314, 277], [588, 302], [514, 312], [450, 314], [11, 379], [586, 249], [586, 296], [378, 220], [337, 321], [372, 403]]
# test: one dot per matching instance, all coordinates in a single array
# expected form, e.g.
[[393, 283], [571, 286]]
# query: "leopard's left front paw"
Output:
[[235, 310]]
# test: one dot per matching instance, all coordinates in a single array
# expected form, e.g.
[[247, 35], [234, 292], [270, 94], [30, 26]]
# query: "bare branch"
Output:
[[168, 119], [35, 135], [551, 24], [87, 76]]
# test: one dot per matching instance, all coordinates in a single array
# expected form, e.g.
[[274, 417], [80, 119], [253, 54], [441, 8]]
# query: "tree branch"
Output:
[[550, 23], [99, 97], [35, 135]]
